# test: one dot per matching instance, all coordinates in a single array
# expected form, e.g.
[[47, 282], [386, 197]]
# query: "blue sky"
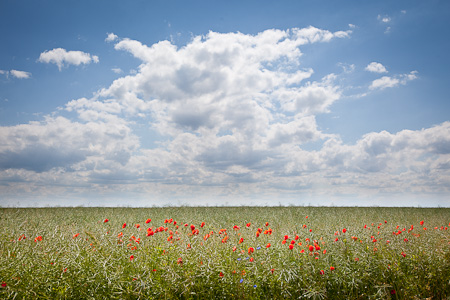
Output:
[[146, 103]]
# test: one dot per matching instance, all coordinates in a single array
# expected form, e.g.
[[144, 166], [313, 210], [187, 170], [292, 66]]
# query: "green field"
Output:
[[314, 253]]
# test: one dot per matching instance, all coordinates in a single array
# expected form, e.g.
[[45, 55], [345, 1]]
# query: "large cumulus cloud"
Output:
[[227, 115]]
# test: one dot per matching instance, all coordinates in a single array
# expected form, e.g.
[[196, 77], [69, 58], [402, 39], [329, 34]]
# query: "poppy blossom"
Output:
[[248, 224], [267, 223], [124, 225], [251, 250], [38, 239], [75, 235], [311, 248], [421, 222], [268, 245], [291, 247], [148, 221], [203, 224], [241, 240], [393, 292], [131, 257], [252, 259], [180, 261], [332, 268], [322, 272], [106, 220], [344, 230], [272, 270], [221, 274], [286, 237]]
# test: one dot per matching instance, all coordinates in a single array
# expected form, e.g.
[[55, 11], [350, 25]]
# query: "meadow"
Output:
[[225, 253]]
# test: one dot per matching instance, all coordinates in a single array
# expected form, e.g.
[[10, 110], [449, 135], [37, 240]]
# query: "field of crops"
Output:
[[225, 252]]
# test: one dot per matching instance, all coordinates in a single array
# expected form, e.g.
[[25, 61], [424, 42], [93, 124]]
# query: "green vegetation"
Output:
[[337, 253]]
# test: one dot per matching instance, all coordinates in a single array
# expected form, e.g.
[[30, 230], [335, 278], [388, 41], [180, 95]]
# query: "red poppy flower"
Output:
[[180, 261], [148, 221], [192, 227], [268, 245], [203, 224], [393, 292], [421, 222], [283, 242], [106, 220], [248, 224], [252, 259], [267, 223], [3, 284], [131, 257], [291, 247], [251, 250], [75, 235], [332, 268], [311, 248], [344, 230], [322, 272], [38, 239], [241, 240], [272, 270], [221, 274], [286, 237], [124, 225]]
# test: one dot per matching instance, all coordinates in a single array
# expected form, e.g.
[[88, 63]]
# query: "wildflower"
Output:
[[332, 268], [235, 227], [124, 225], [311, 248], [292, 242], [242, 279], [302, 251], [268, 245], [324, 251], [106, 220], [203, 224], [38, 239], [75, 235], [317, 247], [251, 250], [267, 223], [421, 222], [234, 248], [283, 242], [248, 224], [393, 292], [148, 221], [221, 274], [255, 286], [3, 284], [272, 270], [131, 257], [405, 239], [180, 261], [356, 259], [321, 272], [252, 259], [291, 247], [403, 254], [286, 237], [344, 230], [241, 240]]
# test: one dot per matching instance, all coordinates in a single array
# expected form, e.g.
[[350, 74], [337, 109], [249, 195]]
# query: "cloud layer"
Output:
[[227, 116]]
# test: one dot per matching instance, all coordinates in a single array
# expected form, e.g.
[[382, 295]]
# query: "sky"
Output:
[[211, 103]]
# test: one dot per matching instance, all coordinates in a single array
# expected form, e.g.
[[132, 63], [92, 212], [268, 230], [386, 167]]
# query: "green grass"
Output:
[[97, 263]]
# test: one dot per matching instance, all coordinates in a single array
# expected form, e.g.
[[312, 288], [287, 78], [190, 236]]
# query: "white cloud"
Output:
[[20, 74], [387, 81], [376, 68], [384, 19], [61, 57], [227, 116], [16, 74], [111, 37], [117, 70]]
